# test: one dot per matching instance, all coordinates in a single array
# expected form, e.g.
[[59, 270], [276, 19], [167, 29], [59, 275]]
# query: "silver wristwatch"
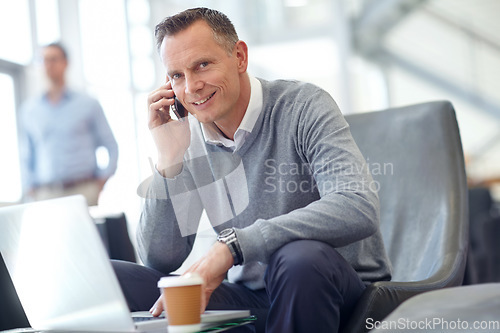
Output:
[[228, 237]]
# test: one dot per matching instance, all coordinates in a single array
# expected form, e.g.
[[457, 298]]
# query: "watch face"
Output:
[[226, 232]]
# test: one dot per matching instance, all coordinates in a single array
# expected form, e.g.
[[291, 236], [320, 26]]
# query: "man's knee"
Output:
[[138, 284], [305, 259], [310, 281]]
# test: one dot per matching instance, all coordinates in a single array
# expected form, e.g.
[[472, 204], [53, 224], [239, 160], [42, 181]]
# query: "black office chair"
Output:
[[416, 157], [464, 309]]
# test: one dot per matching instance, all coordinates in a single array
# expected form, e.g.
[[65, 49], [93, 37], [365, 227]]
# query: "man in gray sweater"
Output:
[[283, 184]]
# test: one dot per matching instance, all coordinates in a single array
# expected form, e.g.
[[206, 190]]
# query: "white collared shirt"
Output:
[[214, 136]]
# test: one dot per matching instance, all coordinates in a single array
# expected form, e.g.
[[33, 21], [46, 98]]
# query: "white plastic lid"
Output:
[[180, 281]]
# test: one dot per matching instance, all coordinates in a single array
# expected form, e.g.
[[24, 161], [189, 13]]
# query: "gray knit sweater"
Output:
[[299, 175]]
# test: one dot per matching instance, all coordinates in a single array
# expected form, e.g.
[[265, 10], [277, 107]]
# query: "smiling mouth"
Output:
[[204, 100]]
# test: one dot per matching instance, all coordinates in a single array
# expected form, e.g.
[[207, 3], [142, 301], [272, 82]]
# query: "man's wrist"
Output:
[[228, 237], [169, 171], [224, 255]]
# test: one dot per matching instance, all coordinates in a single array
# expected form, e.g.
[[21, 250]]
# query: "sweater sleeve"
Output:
[[169, 221], [347, 209]]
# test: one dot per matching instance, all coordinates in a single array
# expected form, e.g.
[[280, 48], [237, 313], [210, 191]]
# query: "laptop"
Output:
[[63, 275]]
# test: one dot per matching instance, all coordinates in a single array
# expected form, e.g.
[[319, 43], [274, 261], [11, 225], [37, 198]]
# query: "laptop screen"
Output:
[[60, 268]]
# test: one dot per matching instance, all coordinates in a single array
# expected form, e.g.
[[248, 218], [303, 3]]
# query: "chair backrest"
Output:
[[416, 159]]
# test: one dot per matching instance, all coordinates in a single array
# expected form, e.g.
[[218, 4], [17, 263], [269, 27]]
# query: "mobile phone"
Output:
[[179, 109]]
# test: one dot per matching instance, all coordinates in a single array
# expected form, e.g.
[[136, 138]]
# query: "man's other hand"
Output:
[[212, 268]]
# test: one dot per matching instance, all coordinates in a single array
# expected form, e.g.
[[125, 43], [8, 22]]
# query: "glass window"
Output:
[[104, 45], [10, 175], [47, 21], [16, 31]]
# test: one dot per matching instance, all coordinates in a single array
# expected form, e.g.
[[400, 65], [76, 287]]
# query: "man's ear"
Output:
[[241, 50]]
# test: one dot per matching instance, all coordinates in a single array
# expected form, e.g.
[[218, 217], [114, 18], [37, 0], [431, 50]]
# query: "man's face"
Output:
[[205, 78], [54, 62]]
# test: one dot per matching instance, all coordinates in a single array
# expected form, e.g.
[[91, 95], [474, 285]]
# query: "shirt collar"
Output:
[[213, 135]]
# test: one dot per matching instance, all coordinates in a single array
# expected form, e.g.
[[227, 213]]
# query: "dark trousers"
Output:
[[309, 288]]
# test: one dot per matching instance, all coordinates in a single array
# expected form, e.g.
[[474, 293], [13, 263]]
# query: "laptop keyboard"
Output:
[[145, 316], [139, 319]]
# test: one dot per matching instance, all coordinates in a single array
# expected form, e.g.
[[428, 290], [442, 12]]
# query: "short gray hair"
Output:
[[223, 29]]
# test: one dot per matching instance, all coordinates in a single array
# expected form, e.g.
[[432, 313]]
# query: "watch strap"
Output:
[[228, 237]]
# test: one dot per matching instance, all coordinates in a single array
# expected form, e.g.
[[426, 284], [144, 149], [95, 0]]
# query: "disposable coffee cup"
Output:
[[182, 302]]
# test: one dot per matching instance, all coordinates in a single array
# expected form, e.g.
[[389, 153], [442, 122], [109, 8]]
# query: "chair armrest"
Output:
[[380, 298]]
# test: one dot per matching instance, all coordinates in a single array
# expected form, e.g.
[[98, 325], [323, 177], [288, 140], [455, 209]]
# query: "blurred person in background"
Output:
[[61, 131]]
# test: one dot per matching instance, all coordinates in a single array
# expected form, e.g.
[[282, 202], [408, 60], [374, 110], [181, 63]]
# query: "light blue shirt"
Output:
[[59, 141]]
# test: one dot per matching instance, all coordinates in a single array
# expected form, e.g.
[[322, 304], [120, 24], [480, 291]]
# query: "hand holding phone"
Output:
[[172, 138], [179, 109]]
